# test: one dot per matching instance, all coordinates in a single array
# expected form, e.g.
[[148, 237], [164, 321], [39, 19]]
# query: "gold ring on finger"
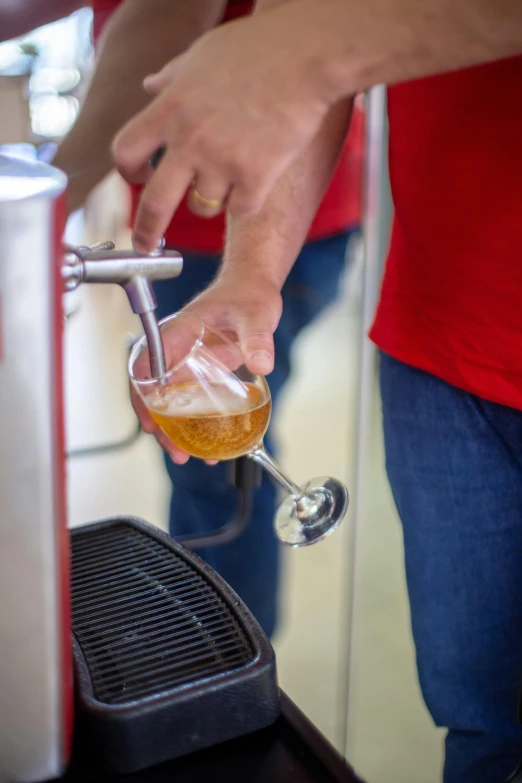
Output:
[[213, 204]]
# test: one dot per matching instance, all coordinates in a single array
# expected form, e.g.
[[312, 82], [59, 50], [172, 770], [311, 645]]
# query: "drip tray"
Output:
[[168, 660]]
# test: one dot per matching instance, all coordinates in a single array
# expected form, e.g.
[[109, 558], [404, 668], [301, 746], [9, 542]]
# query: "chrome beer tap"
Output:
[[101, 263]]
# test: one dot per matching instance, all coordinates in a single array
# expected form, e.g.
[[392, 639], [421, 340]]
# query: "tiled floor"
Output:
[[391, 736]]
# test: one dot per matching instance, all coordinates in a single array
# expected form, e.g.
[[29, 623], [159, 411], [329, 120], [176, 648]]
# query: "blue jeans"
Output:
[[454, 463], [203, 498]]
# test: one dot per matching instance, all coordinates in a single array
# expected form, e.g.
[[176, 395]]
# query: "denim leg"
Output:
[[454, 463], [203, 498]]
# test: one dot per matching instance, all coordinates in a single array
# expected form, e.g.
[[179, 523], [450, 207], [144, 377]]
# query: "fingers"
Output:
[[176, 454], [249, 193], [154, 83], [246, 311], [253, 182], [140, 409], [137, 142], [151, 428], [208, 195], [159, 200], [132, 149], [257, 343]]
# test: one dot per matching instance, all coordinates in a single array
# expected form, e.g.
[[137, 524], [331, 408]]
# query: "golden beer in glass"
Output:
[[226, 430], [210, 405]]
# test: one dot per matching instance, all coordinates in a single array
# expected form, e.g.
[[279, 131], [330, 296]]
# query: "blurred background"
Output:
[[343, 646]]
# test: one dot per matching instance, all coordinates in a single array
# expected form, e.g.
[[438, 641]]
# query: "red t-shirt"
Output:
[[451, 301], [341, 206]]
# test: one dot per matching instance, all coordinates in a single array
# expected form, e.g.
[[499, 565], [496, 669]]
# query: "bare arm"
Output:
[[267, 244], [139, 38], [18, 17], [267, 83], [262, 248], [389, 41], [359, 44]]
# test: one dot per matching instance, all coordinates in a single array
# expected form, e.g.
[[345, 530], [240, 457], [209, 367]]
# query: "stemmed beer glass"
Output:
[[209, 404]]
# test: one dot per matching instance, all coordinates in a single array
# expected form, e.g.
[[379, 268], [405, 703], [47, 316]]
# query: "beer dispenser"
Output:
[[196, 669]]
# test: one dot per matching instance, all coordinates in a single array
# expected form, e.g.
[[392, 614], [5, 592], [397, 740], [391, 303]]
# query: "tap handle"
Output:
[[102, 263]]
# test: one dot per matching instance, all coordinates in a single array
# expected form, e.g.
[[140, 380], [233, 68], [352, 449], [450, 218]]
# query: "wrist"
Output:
[[318, 53], [256, 276]]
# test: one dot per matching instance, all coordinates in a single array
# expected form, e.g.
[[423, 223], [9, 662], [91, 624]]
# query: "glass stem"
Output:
[[260, 455]]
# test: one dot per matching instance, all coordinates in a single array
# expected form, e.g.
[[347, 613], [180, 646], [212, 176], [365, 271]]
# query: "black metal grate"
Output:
[[146, 621]]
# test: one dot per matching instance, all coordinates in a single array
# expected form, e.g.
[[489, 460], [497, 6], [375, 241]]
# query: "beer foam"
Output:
[[198, 400]]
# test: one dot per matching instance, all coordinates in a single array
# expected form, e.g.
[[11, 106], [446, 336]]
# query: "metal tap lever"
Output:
[[134, 272]]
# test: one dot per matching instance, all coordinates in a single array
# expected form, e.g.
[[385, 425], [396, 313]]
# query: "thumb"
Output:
[[257, 343], [156, 82]]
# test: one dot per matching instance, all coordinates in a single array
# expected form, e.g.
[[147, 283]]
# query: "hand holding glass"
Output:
[[210, 405]]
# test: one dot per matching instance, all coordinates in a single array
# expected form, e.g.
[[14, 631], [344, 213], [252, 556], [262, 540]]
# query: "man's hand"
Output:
[[151, 428], [238, 107], [245, 301], [232, 142], [138, 38], [246, 311]]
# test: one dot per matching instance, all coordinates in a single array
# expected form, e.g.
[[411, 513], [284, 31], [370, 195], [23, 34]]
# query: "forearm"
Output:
[[350, 45], [355, 45], [401, 40], [139, 38], [265, 246]]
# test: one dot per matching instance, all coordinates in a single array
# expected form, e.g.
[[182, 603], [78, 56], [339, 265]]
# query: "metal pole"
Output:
[[376, 230]]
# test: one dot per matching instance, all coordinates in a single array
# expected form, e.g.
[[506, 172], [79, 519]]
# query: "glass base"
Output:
[[307, 520]]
